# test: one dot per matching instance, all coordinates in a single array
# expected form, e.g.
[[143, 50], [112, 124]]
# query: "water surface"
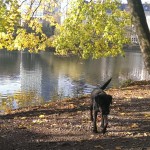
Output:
[[30, 79]]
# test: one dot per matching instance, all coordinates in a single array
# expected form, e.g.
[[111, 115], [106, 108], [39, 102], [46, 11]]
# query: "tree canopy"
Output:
[[9, 18], [93, 28], [20, 29]]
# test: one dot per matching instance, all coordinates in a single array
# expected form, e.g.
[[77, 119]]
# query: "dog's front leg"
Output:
[[94, 122]]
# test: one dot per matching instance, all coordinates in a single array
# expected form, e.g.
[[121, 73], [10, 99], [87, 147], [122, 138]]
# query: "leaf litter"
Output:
[[66, 124]]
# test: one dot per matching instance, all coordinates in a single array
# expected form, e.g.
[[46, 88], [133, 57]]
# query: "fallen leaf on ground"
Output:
[[145, 134], [140, 97], [117, 147], [122, 114], [134, 125], [71, 106], [39, 121], [98, 146], [147, 115], [41, 116], [23, 118]]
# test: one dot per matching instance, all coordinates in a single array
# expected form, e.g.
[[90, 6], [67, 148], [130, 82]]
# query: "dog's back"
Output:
[[96, 92], [103, 101]]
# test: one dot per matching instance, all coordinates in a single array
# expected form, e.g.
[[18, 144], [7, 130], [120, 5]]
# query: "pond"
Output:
[[31, 79]]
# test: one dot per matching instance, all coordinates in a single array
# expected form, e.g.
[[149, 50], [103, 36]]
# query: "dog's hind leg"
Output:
[[94, 122], [102, 121], [91, 112], [105, 119]]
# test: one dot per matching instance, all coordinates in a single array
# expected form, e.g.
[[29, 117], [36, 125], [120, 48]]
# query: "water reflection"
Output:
[[9, 72], [52, 77], [17, 100]]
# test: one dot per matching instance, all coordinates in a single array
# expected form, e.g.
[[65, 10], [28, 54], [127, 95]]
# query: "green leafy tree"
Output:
[[20, 28], [93, 28], [9, 19]]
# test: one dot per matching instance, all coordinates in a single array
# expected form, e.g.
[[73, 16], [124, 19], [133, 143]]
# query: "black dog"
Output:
[[100, 103]]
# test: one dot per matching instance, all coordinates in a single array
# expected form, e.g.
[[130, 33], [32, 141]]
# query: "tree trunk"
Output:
[[142, 30]]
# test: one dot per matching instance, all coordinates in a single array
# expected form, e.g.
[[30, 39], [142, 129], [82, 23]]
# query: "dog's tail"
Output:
[[103, 87]]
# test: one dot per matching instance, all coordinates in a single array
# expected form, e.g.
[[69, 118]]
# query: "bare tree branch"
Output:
[[22, 3], [36, 9]]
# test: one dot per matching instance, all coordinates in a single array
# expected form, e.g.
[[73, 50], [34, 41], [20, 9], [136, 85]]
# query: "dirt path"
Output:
[[66, 125]]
